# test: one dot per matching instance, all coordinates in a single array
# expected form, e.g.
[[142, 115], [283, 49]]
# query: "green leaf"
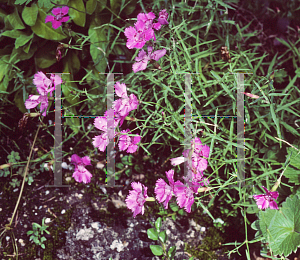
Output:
[[71, 65], [73, 122], [12, 33], [19, 102], [174, 206], [119, 165], [99, 42], [101, 5], [156, 250], [45, 30], [29, 14], [91, 6], [29, 232], [130, 7], [43, 239], [15, 20], [152, 234], [163, 236], [281, 228], [43, 246], [22, 40], [172, 252], [295, 157], [158, 224], [77, 17], [45, 56]]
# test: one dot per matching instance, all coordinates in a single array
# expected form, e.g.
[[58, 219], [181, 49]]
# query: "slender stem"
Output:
[[24, 178]]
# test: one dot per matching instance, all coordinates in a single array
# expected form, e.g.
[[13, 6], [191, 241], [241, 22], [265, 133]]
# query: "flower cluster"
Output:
[[121, 109], [164, 192], [44, 85], [142, 32], [59, 16]]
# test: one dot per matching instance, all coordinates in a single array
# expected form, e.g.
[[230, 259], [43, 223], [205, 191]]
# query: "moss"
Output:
[[210, 244]]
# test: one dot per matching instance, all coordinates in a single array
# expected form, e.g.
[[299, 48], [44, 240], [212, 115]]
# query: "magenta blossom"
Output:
[[185, 195], [138, 36], [34, 100], [125, 104], [44, 85], [81, 174], [101, 141], [264, 201], [136, 198], [148, 21], [128, 142], [142, 58], [163, 191], [58, 17], [163, 16]]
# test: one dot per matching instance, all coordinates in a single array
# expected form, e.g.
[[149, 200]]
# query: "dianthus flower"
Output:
[[163, 191], [58, 17], [136, 199], [142, 58], [81, 174], [128, 142], [264, 201]]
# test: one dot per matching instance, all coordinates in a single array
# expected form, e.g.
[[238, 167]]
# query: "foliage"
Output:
[[37, 233]]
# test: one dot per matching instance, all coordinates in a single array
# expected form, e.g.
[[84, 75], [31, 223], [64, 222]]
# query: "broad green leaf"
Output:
[[43, 246], [29, 14], [156, 250], [295, 157], [152, 234], [91, 6], [70, 66], [174, 206], [15, 20], [98, 45], [163, 236], [293, 175], [45, 30], [13, 34], [19, 102], [27, 46], [22, 40], [158, 224], [101, 5], [129, 7], [77, 17], [45, 57], [115, 6], [281, 228], [172, 252]]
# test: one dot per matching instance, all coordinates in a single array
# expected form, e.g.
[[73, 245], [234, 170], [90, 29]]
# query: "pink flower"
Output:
[[125, 104], [34, 100], [128, 142], [163, 191], [148, 19], [58, 18], [142, 58], [45, 85], [163, 16], [136, 198], [81, 174], [138, 36], [101, 141], [264, 201], [185, 195]]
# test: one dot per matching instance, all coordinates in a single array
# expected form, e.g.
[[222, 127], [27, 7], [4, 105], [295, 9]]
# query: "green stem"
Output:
[[24, 178]]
